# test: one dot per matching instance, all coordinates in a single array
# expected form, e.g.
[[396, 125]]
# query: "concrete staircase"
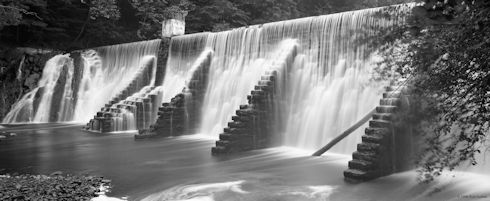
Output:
[[142, 108], [182, 114], [376, 154], [253, 123], [102, 120]]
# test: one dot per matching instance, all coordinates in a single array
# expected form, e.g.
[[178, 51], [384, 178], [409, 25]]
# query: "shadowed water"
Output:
[[183, 169], [139, 168]]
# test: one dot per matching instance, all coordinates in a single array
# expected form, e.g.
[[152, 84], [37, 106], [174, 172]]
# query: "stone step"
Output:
[[246, 119], [239, 131], [266, 83], [377, 131], [380, 124], [361, 165], [383, 116], [390, 101], [386, 109], [258, 93], [257, 100], [167, 113], [247, 112], [396, 87], [267, 77], [374, 138], [354, 175], [369, 147], [222, 143], [235, 137], [166, 109], [99, 114], [392, 94], [219, 150], [365, 156], [263, 88], [237, 125]]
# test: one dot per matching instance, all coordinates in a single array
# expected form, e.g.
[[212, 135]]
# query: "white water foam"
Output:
[[329, 86], [86, 89]]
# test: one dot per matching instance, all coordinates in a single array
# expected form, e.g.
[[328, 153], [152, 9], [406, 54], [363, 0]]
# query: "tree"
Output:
[[215, 15], [17, 12], [444, 52], [263, 11], [53, 23]]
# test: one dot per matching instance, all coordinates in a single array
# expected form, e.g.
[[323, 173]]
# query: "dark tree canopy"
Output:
[[444, 53], [75, 24]]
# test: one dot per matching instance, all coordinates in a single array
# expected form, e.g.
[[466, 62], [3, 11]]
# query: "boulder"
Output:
[[57, 173]]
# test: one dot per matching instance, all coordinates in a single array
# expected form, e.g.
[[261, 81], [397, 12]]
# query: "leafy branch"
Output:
[[22, 11]]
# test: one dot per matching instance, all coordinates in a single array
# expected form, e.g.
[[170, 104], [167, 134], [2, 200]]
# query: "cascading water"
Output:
[[185, 53], [75, 92], [137, 111], [329, 86], [25, 110], [106, 71]]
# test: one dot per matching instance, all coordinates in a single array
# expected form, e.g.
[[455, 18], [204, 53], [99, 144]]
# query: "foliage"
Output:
[[215, 15], [77, 24], [445, 53], [12, 12], [103, 8], [271, 10], [55, 23]]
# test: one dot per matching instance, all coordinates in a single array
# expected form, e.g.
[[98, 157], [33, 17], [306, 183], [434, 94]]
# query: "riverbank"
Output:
[[53, 187]]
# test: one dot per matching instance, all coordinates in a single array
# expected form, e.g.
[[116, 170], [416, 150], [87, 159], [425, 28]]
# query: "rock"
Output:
[[13, 134], [32, 80], [57, 173], [106, 181], [2, 137]]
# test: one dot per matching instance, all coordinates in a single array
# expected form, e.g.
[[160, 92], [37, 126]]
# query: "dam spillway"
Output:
[[327, 84], [296, 83], [75, 86]]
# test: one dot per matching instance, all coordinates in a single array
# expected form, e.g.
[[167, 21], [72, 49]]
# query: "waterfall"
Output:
[[107, 71], [328, 87], [75, 91], [185, 53], [37, 110]]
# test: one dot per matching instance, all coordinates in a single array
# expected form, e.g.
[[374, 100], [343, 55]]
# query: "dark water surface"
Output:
[[182, 168], [139, 168]]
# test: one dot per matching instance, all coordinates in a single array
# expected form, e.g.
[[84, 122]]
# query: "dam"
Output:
[[225, 113]]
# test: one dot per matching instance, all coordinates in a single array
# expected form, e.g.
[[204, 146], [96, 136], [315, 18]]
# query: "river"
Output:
[[182, 168]]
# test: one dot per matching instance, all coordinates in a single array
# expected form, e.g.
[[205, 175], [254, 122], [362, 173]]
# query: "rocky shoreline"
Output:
[[53, 187]]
